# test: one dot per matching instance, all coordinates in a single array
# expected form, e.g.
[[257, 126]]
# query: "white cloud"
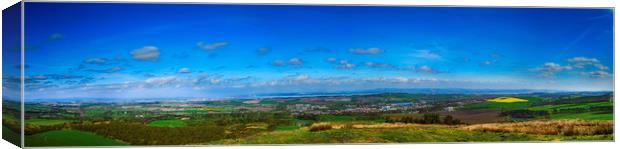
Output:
[[96, 61], [581, 63], [425, 68], [366, 51], [344, 64], [402, 79], [211, 46], [184, 70], [378, 65], [295, 61], [114, 69], [601, 66], [331, 59], [215, 81], [301, 77], [597, 74], [278, 62], [110, 70], [583, 60], [263, 51], [427, 54], [160, 81], [550, 69], [148, 53], [489, 62]]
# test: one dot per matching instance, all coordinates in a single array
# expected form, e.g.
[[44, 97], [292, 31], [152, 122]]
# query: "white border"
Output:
[[500, 3]]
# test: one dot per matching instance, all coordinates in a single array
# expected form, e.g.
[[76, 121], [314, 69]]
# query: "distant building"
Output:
[[449, 109]]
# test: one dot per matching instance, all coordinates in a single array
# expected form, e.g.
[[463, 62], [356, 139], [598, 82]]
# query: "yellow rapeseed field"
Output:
[[507, 99]]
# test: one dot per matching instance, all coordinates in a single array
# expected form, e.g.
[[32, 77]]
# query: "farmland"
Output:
[[167, 123], [373, 118]]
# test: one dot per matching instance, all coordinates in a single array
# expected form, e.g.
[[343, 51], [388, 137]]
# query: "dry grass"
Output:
[[554, 127], [320, 126]]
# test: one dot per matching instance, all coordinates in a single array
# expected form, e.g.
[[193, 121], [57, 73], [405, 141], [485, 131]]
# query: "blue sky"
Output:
[[106, 50]]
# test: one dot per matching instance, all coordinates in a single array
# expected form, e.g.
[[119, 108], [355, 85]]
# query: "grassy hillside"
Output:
[[585, 116], [395, 134], [70, 138]]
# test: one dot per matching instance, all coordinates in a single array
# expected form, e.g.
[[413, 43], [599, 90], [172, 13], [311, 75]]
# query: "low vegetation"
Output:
[[554, 127]]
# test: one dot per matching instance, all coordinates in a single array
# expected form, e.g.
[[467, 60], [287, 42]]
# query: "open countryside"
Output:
[[373, 118]]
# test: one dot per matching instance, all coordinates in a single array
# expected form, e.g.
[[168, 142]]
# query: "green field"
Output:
[[69, 138], [336, 118], [496, 105], [571, 106], [284, 128], [46, 122], [168, 123], [584, 116]]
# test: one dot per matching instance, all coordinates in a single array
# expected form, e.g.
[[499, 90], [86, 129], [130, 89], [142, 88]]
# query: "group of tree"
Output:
[[428, 118]]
